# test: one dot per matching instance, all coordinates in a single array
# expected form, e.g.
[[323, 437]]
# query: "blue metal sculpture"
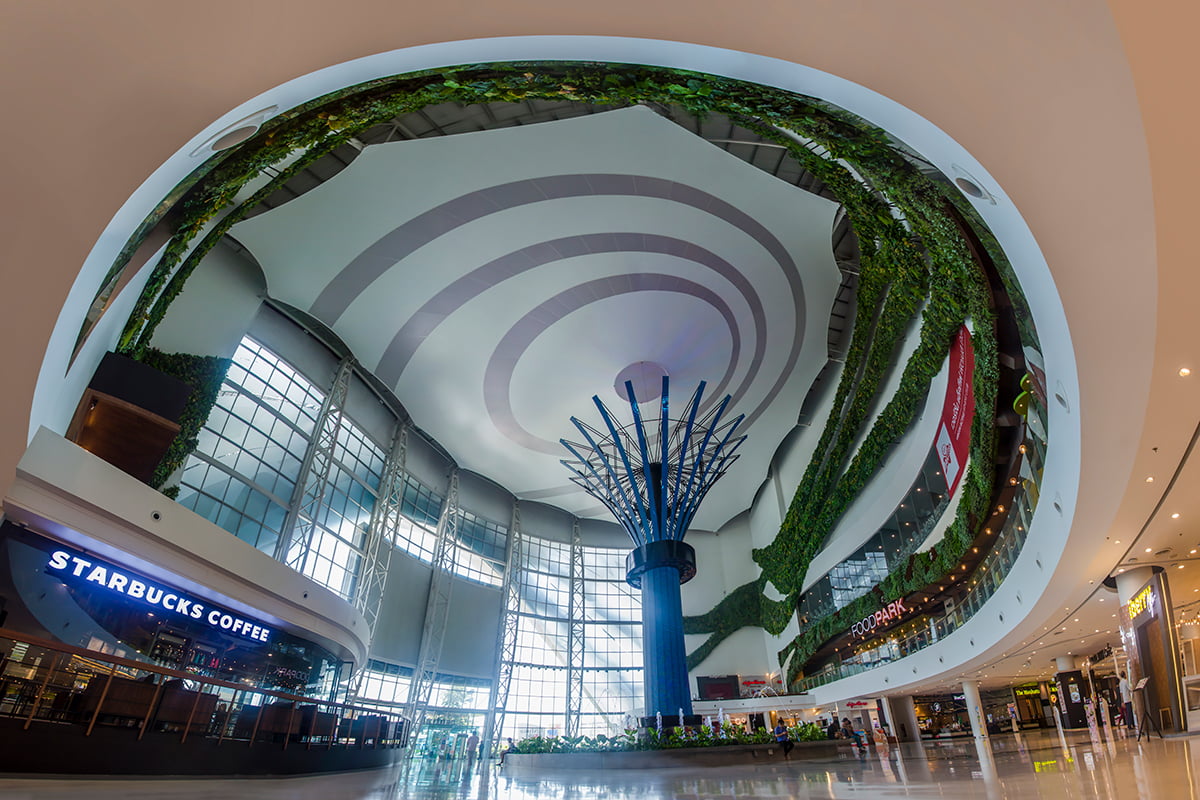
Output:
[[653, 478]]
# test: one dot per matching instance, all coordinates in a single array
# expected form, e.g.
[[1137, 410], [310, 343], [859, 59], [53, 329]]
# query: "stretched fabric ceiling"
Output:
[[498, 280]]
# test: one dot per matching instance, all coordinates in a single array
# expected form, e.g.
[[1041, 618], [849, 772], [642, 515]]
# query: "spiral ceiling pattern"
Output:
[[497, 280]]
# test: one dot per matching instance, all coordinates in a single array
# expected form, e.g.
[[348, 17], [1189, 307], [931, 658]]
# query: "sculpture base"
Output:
[[664, 553]]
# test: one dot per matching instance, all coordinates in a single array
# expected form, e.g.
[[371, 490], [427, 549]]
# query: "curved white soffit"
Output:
[[1061, 477]]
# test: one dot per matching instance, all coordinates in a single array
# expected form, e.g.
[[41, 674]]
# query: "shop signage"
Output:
[[1141, 602], [92, 571], [857, 704], [954, 431], [1027, 691], [886, 614]]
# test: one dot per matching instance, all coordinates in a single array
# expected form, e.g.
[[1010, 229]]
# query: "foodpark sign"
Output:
[[886, 614]]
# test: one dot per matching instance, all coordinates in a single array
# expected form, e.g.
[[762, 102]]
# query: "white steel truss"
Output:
[[506, 632], [299, 525], [381, 533], [575, 635], [437, 609]]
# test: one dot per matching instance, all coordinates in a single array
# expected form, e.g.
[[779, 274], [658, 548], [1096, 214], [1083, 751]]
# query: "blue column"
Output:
[[664, 656]]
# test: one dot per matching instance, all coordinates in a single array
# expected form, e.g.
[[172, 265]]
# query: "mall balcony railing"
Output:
[[983, 584], [45, 682]]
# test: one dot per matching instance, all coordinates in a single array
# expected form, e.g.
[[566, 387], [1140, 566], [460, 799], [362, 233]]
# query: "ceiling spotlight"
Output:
[[1149, 549], [1122, 569], [1149, 479], [1184, 372], [1175, 515]]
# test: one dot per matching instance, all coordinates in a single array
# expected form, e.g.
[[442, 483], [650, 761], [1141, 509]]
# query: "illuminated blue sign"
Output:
[[91, 570]]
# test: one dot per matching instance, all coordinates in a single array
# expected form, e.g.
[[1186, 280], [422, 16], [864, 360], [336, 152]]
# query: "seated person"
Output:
[[848, 732], [833, 731], [783, 739]]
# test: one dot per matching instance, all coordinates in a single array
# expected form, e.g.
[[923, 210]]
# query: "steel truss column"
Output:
[[381, 532], [575, 635], [506, 632], [299, 526], [437, 609]]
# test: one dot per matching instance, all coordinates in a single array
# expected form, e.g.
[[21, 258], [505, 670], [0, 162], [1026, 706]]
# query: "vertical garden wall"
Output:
[[922, 252]]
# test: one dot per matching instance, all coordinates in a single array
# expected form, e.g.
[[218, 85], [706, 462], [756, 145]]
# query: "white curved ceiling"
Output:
[[498, 280]]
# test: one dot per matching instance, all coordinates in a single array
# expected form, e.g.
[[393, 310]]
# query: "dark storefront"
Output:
[[61, 593]]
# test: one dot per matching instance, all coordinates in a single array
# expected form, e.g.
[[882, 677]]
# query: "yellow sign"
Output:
[[1140, 602]]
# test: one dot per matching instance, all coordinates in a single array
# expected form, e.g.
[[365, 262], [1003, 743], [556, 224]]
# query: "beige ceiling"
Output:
[[1076, 108]]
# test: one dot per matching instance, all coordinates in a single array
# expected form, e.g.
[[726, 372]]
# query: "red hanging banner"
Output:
[[954, 432]]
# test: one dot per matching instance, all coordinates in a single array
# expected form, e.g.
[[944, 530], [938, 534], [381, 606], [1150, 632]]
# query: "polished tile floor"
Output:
[[1025, 766]]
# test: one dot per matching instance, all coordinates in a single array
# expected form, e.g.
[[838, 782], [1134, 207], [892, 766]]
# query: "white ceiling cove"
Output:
[[498, 280]]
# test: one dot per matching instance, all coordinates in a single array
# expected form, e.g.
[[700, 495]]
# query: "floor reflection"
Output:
[[1021, 766]]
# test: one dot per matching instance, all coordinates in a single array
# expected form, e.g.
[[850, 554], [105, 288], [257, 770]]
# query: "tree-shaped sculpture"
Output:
[[653, 477]]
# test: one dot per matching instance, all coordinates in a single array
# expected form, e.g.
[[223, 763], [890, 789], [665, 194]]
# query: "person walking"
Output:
[[472, 749], [783, 739], [1126, 701]]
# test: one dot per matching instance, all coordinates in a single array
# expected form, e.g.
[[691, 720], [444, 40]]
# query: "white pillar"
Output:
[[902, 718], [975, 709], [1129, 581]]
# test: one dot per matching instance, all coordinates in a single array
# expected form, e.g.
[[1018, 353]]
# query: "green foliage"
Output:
[[914, 260], [205, 375], [807, 732], [671, 739]]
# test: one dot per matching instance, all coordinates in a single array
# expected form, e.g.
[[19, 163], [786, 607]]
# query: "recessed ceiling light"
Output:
[[1181, 566], [1118, 541], [1175, 515], [1122, 569], [1149, 479], [1149, 549], [1184, 372]]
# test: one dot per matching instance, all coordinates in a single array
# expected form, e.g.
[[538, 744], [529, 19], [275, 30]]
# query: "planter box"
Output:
[[688, 757]]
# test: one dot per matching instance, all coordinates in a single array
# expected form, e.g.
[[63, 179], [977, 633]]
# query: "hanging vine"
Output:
[[913, 261]]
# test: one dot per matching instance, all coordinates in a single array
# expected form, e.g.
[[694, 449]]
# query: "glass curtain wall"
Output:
[[245, 470], [245, 475], [612, 653]]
